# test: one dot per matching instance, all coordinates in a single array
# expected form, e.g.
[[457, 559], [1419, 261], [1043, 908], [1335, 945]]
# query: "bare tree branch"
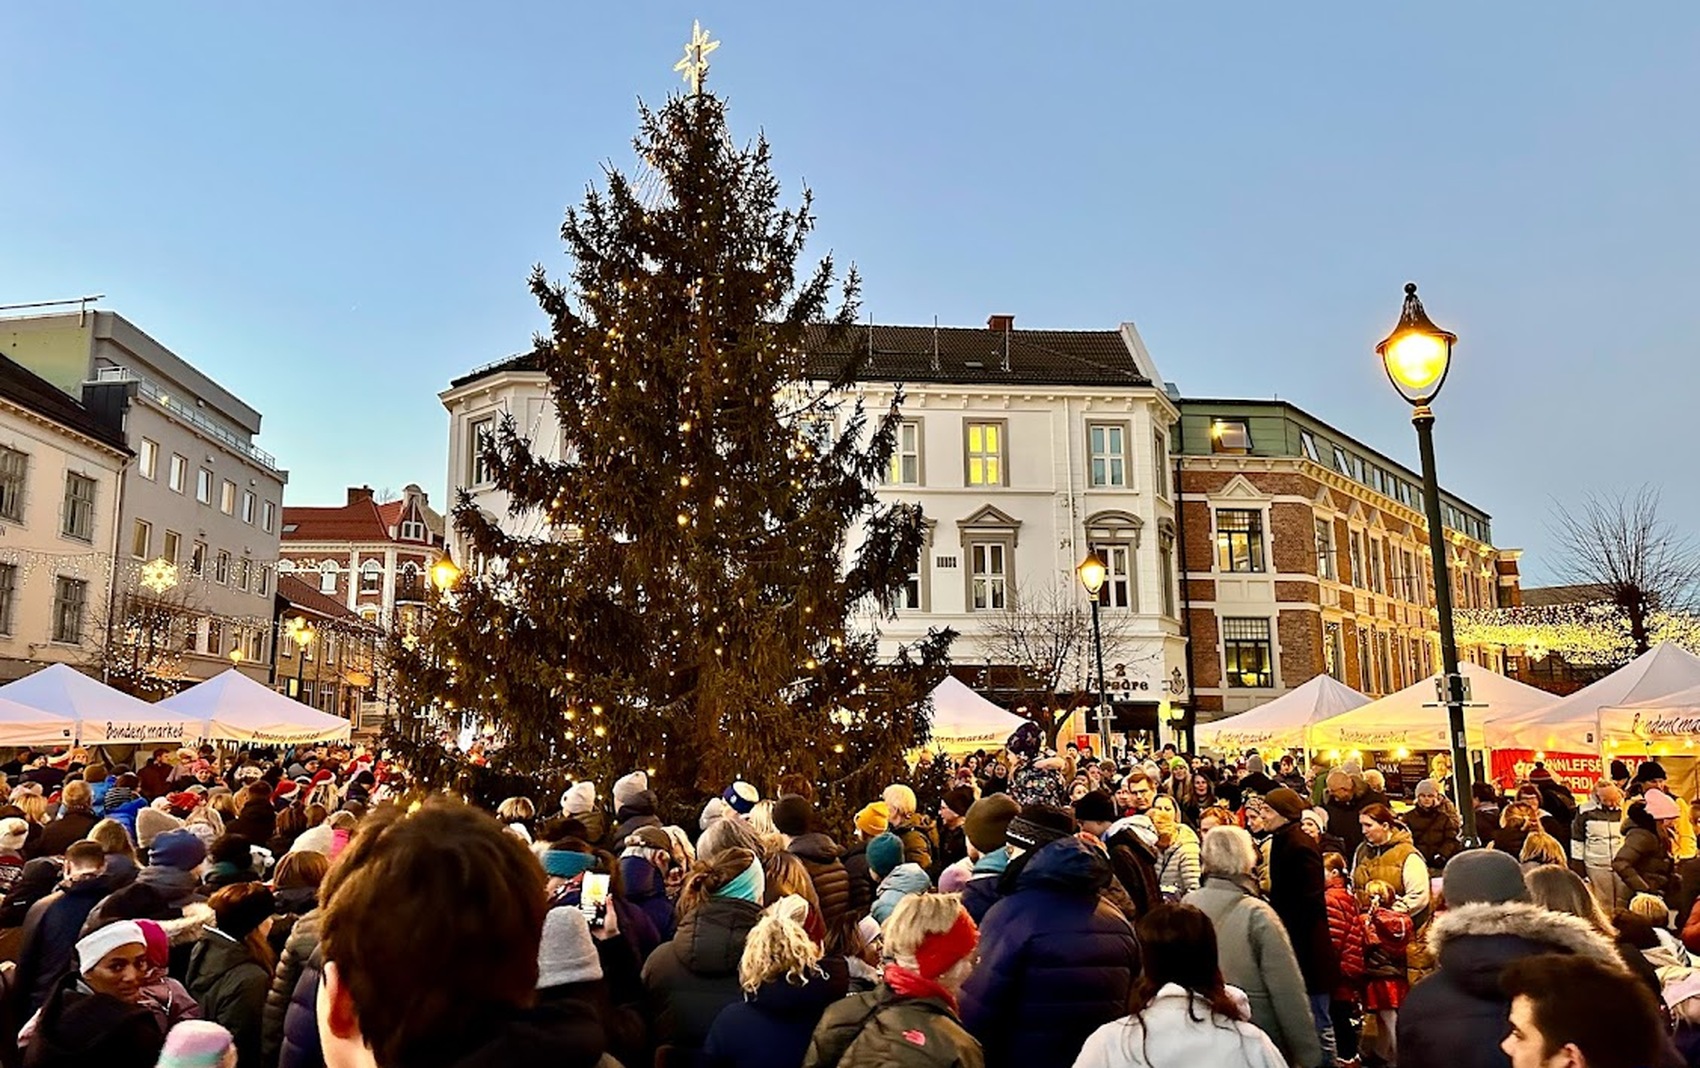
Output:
[[1640, 562]]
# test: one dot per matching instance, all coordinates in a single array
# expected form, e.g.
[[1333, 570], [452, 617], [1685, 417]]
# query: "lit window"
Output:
[[906, 455], [1107, 449], [14, 474], [178, 473], [147, 458], [69, 598], [79, 508], [985, 454], [989, 571], [1248, 654], [1239, 539], [1230, 435]]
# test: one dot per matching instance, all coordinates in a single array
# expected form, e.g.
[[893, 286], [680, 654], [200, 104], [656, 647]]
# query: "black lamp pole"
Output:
[[1417, 356]]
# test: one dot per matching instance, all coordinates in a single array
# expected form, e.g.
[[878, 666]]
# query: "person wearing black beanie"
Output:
[[953, 840], [230, 968]]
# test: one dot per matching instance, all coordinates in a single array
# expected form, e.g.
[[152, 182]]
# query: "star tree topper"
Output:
[[694, 66]]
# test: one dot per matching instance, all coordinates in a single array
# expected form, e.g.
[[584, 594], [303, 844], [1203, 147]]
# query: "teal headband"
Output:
[[750, 885], [567, 863]]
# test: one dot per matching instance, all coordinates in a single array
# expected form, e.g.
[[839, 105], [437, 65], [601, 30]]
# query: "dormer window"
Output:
[[1230, 436], [412, 530]]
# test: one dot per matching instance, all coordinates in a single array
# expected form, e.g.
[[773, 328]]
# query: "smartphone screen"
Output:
[[593, 899]]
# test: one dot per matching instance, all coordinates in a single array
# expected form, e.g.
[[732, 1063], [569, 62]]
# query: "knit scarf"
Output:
[[907, 984]]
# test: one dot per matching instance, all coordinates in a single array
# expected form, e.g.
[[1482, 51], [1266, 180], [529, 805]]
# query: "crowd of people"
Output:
[[304, 907]]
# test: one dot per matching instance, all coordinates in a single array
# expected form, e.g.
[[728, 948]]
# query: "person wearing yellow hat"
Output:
[[871, 822]]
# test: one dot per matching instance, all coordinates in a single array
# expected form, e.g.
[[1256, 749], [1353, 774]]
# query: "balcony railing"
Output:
[[188, 413]]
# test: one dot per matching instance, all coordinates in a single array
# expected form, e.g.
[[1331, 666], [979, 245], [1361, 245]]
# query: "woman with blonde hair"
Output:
[[1562, 890], [518, 815], [911, 1016], [1177, 849], [787, 986], [1541, 849]]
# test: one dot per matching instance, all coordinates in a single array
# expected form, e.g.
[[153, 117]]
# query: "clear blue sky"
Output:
[[332, 207]]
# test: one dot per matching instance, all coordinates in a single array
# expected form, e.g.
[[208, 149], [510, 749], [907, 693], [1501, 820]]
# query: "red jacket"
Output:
[[1346, 927]]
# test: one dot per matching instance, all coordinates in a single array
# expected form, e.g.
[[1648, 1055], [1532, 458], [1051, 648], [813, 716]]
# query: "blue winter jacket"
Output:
[[647, 891], [126, 814], [903, 880], [980, 893], [772, 1027], [1056, 961]]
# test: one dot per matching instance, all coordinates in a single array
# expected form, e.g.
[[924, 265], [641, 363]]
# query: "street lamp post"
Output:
[[303, 635], [1417, 356], [1092, 573]]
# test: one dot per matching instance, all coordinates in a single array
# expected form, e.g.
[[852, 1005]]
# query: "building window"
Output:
[[79, 507], [1377, 582], [169, 546], [265, 584], [1413, 583], [1118, 588], [906, 455], [141, 539], [1307, 443], [203, 486], [1357, 543], [286, 567], [1166, 571], [221, 567], [8, 588], [1107, 452], [178, 473], [371, 577], [215, 637], [1239, 539], [1230, 436], [1160, 454], [248, 507], [198, 559], [480, 433], [268, 516], [1334, 651], [1384, 661], [327, 577], [1325, 550], [1342, 463], [69, 597], [986, 454], [413, 530], [14, 475], [1366, 680], [989, 574], [244, 573], [147, 459], [227, 497], [1248, 653], [909, 596]]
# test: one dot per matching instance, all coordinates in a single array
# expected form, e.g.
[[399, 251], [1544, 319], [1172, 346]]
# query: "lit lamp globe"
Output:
[[1417, 354], [1092, 573], [444, 574]]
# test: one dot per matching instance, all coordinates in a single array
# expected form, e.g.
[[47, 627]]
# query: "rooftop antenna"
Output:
[[935, 343]]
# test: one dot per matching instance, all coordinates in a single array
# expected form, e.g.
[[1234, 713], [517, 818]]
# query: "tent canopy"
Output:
[[1574, 724], [1414, 718], [102, 714], [22, 725], [963, 721], [1283, 723], [234, 707]]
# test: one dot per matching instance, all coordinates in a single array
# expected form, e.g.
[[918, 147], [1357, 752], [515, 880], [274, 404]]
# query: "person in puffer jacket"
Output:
[[1346, 932], [1645, 863], [897, 878], [643, 875], [690, 979], [1596, 836], [1057, 961], [794, 818]]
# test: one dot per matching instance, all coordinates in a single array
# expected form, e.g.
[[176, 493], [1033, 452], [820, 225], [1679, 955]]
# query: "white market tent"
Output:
[[1283, 723], [233, 707], [1578, 723], [963, 721], [102, 714], [1414, 718], [22, 725]]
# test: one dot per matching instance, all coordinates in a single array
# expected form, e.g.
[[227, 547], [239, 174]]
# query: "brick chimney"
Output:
[[1001, 323], [356, 494]]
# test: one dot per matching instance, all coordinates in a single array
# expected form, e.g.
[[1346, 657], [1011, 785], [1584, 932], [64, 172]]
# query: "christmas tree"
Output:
[[712, 557]]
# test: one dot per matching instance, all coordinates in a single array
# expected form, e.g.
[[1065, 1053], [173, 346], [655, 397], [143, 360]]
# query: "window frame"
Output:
[[1224, 430], [221, 567], [227, 497], [1255, 555], [1166, 567], [1355, 550], [175, 541], [1001, 457], [1004, 578], [1127, 577], [1334, 650], [1307, 446], [328, 569], [412, 530], [1109, 457], [14, 485], [62, 584], [894, 469], [477, 473], [248, 502], [141, 534], [8, 596], [147, 459], [268, 516], [177, 474], [77, 511], [244, 573], [198, 559], [1235, 646], [204, 486], [371, 569], [1160, 465], [1326, 566]]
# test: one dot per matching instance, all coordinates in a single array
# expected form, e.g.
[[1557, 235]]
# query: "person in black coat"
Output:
[[787, 986], [693, 977], [257, 821], [93, 1015], [1298, 888], [1057, 961], [55, 923]]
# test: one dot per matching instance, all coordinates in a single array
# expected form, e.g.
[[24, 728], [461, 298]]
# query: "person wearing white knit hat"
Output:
[[94, 1015]]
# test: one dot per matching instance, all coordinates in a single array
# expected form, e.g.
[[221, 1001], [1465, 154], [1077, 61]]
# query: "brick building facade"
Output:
[[1304, 552]]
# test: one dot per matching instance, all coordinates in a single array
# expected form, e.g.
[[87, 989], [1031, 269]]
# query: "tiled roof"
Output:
[[1548, 596], [975, 355], [303, 596], [968, 355], [359, 521], [389, 513], [27, 389]]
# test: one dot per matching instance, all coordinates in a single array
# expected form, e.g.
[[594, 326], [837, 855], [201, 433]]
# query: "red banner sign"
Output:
[[1578, 771]]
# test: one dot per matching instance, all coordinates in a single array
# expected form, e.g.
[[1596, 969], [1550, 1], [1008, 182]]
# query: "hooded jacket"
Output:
[[78, 1028], [981, 891], [1056, 961], [1457, 1017], [1135, 865], [772, 1027], [1434, 831], [298, 948], [1178, 1028], [645, 889], [1596, 836], [1177, 866], [899, 883], [1257, 957], [230, 987], [880, 1029], [1644, 863], [50, 936], [831, 879], [691, 979], [634, 816]]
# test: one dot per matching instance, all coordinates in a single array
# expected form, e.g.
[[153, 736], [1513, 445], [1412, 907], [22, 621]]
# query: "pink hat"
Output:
[[1660, 806]]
